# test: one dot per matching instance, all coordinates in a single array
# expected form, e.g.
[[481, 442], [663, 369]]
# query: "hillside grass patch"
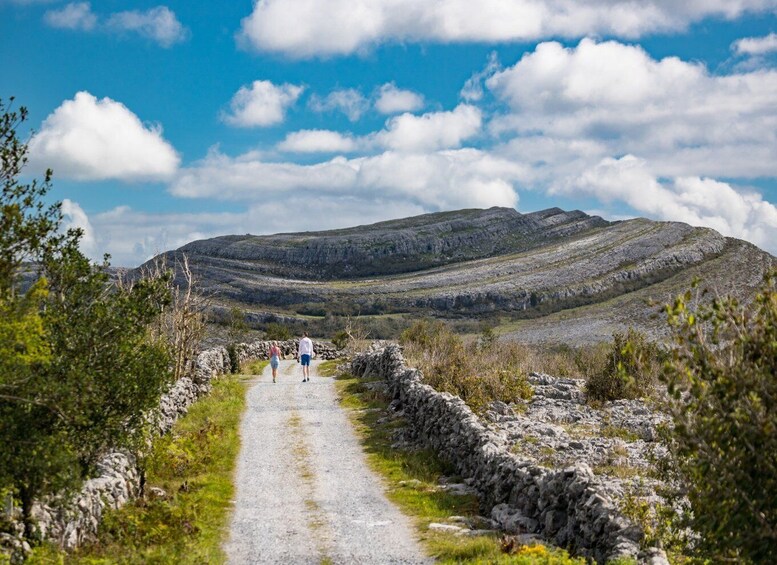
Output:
[[194, 464], [412, 478]]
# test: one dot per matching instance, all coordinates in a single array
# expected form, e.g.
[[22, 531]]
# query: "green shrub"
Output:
[[340, 339], [631, 369], [234, 358], [722, 380], [277, 332]]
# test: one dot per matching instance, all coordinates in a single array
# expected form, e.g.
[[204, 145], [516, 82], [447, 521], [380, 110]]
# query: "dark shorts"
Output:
[[305, 359]]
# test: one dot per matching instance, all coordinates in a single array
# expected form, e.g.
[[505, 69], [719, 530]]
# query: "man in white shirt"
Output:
[[304, 354]]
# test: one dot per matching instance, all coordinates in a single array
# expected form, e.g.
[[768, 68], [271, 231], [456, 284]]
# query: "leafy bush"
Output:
[[340, 339], [478, 376], [722, 380], [277, 332], [631, 370]]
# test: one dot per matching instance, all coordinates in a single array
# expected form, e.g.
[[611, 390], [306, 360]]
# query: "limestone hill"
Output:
[[548, 276]]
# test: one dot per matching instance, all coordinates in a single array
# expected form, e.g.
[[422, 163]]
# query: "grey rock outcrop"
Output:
[[569, 506]]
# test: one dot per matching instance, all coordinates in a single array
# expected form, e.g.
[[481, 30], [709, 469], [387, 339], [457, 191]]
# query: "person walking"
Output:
[[304, 354], [275, 358]]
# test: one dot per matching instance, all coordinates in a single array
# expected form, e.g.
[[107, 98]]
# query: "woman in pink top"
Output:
[[275, 356]]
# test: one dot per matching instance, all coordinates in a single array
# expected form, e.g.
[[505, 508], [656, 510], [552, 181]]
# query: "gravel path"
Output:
[[304, 492]]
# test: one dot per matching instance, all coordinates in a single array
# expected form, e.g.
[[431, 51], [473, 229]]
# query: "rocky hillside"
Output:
[[396, 246], [580, 274]]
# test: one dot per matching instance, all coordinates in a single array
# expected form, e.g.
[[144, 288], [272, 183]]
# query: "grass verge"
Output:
[[194, 464], [412, 481], [329, 368]]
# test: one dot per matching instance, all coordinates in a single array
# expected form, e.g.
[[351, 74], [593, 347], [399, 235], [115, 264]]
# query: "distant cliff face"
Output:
[[479, 263]]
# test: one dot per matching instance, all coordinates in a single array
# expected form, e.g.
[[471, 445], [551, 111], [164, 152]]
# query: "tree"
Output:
[[79, 367], [27, 225], [722, 379]]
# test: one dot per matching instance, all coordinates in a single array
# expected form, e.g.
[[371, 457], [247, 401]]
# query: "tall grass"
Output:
[[482, 370], [477, 373]]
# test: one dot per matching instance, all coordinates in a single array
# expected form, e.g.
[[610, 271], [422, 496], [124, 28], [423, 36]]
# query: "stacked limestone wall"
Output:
[[568, 507], [75, 521]]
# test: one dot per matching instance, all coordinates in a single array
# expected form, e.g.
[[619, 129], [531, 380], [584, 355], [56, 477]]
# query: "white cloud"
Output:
[[75, 217], [473, 88], [77, 16], [406, 133], [90, 139], [392, 100], [158, 24], [694, 200], [434, 130], [302, 28], [755, 45], [317, 141], [618, 96], [262, 104], [438, 180], [349, 101]]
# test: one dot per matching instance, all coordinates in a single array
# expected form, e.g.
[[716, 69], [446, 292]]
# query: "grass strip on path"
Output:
[[412, 481], [194, 464]]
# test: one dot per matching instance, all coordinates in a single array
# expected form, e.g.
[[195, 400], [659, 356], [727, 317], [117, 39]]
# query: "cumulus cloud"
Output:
[[473, 88], [77, 16], [392, 100], [300, 28], [349, 101], [406, 133], [317, 141], [695, 200], [262, 104], [434, 130], [755, 45], [157, 24], [435, 181], [74, 217], [619, 96], [90, 139]]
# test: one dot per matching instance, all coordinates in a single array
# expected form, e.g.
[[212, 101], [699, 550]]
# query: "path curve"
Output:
[[304, 493]]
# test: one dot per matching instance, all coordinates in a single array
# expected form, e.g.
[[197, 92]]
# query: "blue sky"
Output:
[[170, 122]]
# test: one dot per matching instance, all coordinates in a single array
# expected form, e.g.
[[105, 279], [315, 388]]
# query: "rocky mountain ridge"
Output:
[[498, 264]]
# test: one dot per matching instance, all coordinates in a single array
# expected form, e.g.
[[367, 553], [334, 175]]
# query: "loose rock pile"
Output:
[[556, 427], [571, 507]]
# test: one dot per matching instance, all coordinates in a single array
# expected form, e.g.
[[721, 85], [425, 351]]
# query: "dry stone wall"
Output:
[[569, 507], [75, 520]]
